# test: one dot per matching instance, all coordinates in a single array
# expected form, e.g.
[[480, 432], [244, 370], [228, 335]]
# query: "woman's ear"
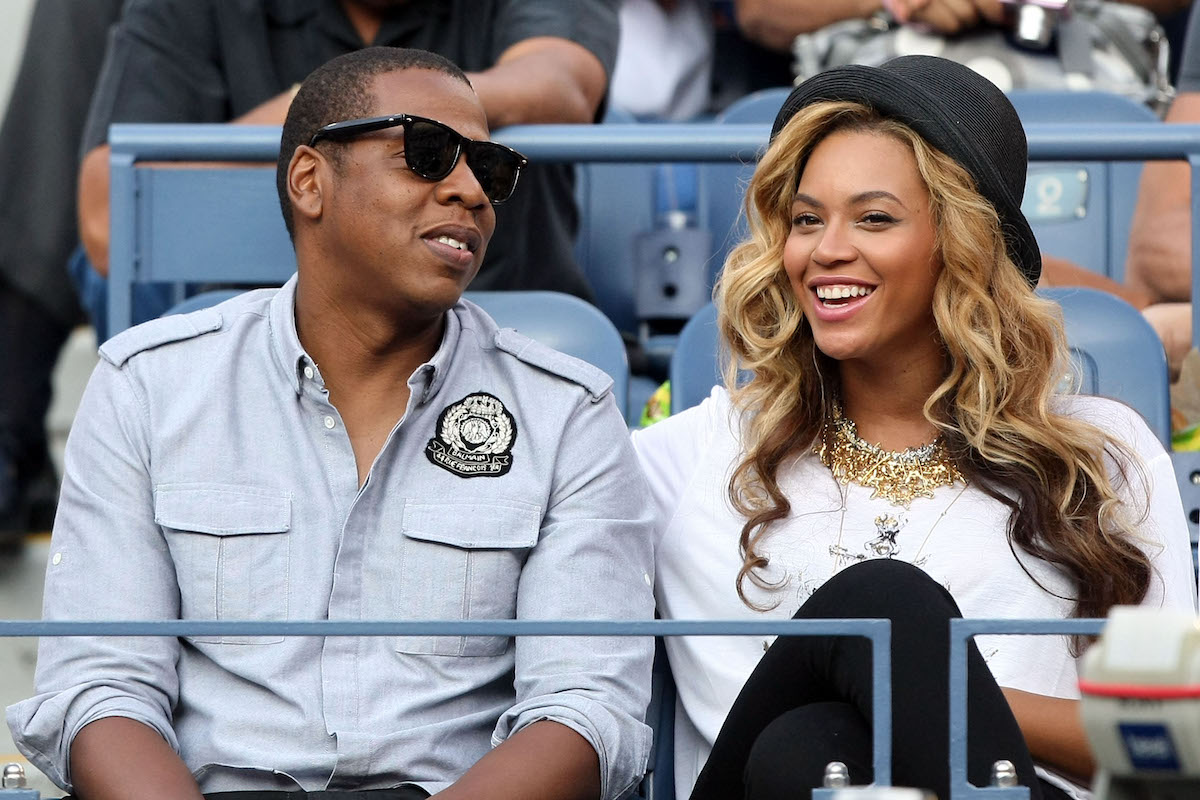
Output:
[[304, 178]]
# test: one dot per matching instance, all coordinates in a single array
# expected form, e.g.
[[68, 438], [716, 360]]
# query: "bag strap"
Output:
[[1118, 32]]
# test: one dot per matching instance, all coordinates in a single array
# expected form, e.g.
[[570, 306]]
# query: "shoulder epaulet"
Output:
[[158, 332], [595, 380]]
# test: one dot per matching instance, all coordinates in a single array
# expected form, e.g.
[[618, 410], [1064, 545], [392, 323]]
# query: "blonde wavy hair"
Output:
[[1005, 351]]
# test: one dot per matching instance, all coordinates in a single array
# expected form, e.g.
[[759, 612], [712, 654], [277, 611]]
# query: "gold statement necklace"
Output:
[[897, 477]]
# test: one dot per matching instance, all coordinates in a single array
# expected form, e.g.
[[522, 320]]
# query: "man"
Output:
[[360, 444], [531, 61]]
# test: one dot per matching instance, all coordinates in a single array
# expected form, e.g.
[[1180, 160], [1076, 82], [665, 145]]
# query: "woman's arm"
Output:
[[1053, 732]]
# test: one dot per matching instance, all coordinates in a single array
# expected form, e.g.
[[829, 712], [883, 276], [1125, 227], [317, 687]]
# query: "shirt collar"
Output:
[[293, 359], [284, 339], [434, 371]]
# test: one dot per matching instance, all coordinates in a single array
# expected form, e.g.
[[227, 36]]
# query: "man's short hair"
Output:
[[339, 90]]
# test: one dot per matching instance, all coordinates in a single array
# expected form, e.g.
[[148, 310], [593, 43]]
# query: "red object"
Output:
[[1140, 691]]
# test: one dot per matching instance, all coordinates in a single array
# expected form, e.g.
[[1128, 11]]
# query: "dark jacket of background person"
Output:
[[214, 60], [38, 165]]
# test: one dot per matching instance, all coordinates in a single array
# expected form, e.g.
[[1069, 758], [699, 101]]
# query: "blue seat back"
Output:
[[723, 186], [1081, 210], [1116, 352], [616, 202], [566, 323], [660, 716], [696, 363], [220, 223]]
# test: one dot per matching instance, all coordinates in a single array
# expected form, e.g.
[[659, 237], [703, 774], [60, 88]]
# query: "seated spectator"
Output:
[[899, 451], [1160, 243], [664, 59], [361, 444], [210, 61]]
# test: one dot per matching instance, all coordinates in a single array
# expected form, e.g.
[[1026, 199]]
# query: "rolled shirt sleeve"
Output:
[[594, 560], [108, 561]]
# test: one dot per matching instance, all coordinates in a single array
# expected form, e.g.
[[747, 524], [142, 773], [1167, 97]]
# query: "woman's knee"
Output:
[[879, 588], [792, 752]]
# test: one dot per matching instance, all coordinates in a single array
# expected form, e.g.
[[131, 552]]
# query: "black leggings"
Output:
[[808, 702]]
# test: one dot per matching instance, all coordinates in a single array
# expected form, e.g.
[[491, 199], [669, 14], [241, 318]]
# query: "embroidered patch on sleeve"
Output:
[[474, 437]]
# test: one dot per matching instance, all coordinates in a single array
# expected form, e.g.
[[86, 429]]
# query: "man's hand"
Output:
[[115, 758], [545, 761]]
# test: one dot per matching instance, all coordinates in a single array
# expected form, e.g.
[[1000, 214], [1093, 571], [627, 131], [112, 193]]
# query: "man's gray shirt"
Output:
[[209, 477]]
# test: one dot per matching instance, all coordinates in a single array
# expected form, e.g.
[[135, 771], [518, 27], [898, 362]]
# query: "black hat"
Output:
[[956, 110]]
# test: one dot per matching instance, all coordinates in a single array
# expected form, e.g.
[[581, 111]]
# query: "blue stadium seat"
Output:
[[1081, 210], [557, 320], [660, 716], [1116, 352], [616, 202], [696, 367], [722, 186], [566, 323], [214, 226]]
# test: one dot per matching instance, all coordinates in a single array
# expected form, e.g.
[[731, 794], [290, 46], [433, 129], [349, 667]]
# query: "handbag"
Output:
[[1098, 45]]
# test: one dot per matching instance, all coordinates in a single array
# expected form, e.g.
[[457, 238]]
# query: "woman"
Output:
[[899, 452]]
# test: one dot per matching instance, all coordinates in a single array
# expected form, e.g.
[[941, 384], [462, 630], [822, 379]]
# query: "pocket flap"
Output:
[[491, 525], [222, 510]]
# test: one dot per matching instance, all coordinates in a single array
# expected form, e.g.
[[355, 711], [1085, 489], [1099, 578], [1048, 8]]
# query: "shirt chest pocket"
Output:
[[462, 561], [231, 549]]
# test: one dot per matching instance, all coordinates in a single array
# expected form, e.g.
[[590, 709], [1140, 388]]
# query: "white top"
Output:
[[955, 536]]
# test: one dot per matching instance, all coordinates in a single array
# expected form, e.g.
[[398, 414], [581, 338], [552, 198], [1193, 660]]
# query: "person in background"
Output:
[[664, 59], [531, 61], [1160, 255]]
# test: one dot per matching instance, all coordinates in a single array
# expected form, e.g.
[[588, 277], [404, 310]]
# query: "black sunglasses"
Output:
[[432, 150]]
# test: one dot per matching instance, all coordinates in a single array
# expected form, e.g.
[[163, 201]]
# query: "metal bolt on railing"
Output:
[[13, 776], [836, 775], [1004, 774]]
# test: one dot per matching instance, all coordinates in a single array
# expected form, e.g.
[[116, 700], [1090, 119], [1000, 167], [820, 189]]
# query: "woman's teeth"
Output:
[[843, 291]]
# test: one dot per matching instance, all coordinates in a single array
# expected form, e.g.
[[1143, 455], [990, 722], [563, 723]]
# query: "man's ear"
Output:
[[304, 177]]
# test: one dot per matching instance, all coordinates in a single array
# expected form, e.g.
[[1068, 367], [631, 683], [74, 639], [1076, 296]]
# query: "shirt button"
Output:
[[329, 423], [308, 373], [57, 559]]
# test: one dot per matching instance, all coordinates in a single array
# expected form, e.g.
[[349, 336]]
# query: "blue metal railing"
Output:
[[876, 630], [961, 631], [691, 142], [705, 142]]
